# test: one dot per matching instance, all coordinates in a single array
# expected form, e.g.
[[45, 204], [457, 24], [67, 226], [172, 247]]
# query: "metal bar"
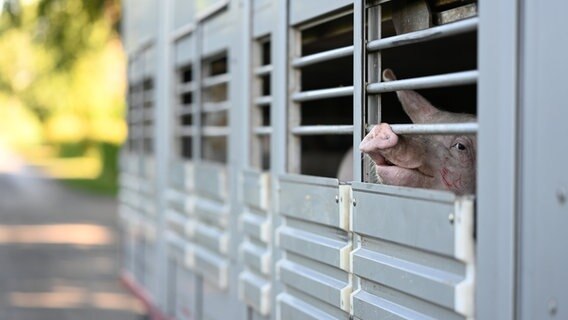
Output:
[[322, 56], [214, 131], [186, 87], [215, 80], [424, 35], [213, 9], [263, 70], [322, 129], [263, 101], [262, 131], [185, 109], [322, 94], [185, 131], [434, 128], [182, 32], [210, 107], [442, 80]]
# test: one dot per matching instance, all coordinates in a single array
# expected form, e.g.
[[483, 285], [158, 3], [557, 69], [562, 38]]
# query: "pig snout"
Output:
[[380, 137]]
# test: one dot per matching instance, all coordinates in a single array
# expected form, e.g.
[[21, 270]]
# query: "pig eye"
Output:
[[460, 146]]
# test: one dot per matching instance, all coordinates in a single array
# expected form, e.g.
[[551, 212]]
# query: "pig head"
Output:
[[444, 162]]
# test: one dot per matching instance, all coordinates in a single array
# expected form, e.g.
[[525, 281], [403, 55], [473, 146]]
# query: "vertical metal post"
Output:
[[497, 163], [543, 183], [372, 111], [278, 120], [358, 84], [197, 94], [162, 147], [294, 108]]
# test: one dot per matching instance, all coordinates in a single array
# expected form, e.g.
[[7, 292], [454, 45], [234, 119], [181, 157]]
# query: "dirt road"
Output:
[[59, 251]]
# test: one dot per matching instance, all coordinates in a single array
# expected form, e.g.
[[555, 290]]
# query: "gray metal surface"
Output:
[[497, 163], [301, 11], [275, 245], [543, 179], [419, 243]]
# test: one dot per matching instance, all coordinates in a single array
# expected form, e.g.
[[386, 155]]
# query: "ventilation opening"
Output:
[[261, 105], [214, 109], [185, 111], [324, 124]]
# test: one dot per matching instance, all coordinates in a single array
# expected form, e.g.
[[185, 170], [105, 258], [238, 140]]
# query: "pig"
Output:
[[443, 162]]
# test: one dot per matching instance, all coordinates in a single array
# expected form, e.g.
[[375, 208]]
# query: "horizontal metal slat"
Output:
[[215, 107], [255, 292], [262, 131], [212, 238], [256, 189], [185, 109], [412, 222], [442, 31], [291, 307], [322, 129], [430, 284], [369, 306], [182, 31], [311, 202], [187, 87], [186, 130], [333, 252], [263, 70], [215, 131], [263, 101], [434, 128], [322, 56], [212, 180], [256, 257], [323, 287], [214, 268], [322, 94], [216, 80], [214, 212], [437, 81], [256, 226]]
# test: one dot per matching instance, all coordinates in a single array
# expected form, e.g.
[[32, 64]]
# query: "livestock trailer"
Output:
[[241, 114]]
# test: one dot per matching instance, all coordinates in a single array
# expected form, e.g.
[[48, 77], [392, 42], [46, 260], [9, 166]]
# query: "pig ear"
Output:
[[415, 105], [389, 75]]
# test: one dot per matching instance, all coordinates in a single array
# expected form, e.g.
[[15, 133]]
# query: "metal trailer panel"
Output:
[[141, 23], [183, 13], [262, 17], [184, 50], [496, 161], [316, 245], [302, 11], [254, 280], [543, 184], [417, 242], [217, 32]]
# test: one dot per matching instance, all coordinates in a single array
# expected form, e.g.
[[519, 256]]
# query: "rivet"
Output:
[[561, 195], [336, 199], [354, 202], [451, 218], [552, 306]]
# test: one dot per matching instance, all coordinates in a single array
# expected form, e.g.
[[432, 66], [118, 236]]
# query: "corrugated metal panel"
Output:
[[312, 199], [301, 11], [262, 17], [217, 30], [208, 255], [184, 50], [316, 246], [416, 243], [254, 281]]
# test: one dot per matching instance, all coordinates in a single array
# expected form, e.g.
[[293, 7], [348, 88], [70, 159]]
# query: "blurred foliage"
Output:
[[62, 77]]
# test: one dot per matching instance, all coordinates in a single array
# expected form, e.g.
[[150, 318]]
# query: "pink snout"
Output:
[[381, 137]]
